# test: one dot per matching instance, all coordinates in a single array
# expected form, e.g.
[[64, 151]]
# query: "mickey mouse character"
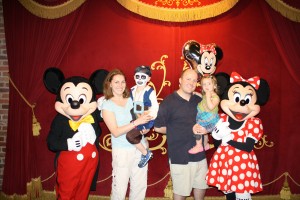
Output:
[[202, 57], [234, 168], [74, 133]]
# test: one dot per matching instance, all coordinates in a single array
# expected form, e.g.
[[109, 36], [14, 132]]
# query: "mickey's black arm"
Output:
[[58, 134]]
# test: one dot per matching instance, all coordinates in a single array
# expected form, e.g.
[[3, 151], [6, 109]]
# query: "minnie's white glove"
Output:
[[87, 133], [222, 132], [226, 139]]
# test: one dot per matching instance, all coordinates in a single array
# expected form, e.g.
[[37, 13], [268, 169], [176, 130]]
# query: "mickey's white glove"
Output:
[[87, 133], [222, 132], [75, 143], [100, 102]]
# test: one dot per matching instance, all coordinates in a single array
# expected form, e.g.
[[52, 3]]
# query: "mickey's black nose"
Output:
[[75, 104]]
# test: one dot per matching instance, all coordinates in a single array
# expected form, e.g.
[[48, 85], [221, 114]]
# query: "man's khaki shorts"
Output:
[[187, 177]]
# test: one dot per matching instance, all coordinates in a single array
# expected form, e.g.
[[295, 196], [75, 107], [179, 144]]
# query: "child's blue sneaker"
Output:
[[145, 159]]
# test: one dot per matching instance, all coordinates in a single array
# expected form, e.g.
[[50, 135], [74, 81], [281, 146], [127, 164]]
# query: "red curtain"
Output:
[[33, 44], [285, 36], [255, 39]]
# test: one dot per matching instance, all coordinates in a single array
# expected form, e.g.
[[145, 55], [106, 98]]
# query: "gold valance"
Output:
[[51, 12], [178, 14], [156, 12], [286, 10]]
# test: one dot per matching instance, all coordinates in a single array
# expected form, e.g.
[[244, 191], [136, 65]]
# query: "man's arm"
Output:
[[160, 130]]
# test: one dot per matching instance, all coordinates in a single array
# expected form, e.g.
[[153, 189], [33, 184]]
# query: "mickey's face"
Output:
[[76, 101], [241, 102], [207, 64]]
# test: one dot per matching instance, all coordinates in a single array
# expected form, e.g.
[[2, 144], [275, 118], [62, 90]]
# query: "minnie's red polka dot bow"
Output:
[[254, 81], [208, 47]]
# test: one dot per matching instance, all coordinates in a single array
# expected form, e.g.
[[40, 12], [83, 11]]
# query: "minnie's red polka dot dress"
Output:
[[233, 170]]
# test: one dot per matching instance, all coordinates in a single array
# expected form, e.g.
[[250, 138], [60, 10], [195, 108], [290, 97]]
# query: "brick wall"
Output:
[[4, 94]]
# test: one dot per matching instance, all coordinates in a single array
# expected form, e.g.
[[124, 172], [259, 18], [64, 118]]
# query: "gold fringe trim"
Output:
[[51, 12], [50, 195], [4, 196], [177, 15], [36, 127], [35, 189], [285, 9]]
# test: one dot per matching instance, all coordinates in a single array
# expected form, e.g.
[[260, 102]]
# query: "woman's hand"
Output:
[[199, 130], [143, 119]]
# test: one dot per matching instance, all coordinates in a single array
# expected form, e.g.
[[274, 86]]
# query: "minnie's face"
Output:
[[240, 104], [208, 63], [76, 101]]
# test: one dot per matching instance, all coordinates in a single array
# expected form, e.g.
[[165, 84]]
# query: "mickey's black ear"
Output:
[[97, 80], [53, 78], [223, 80], [263, 92]]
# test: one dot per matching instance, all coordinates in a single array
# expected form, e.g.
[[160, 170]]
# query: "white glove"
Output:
[[221, 130], [87, 133], [100, 102], [74, 143], [226, 139], [83, 137]]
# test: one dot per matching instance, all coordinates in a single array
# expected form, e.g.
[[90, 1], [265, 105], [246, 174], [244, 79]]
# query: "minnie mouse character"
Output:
[[74, 133], [234, 168], [201, 57]]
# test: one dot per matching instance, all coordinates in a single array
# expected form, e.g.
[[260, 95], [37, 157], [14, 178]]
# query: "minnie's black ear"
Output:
[[219, 51], [263, 92], [223, 80], [53, 78], [97, 80]]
